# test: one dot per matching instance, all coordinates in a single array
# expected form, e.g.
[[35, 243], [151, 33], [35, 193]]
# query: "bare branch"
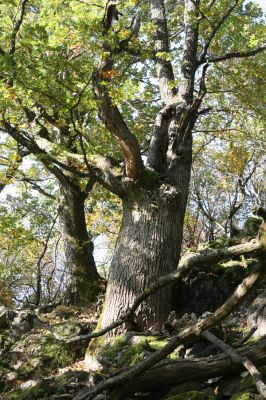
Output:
[[215, 30], [37, 187], [229, 351], [237, 54]]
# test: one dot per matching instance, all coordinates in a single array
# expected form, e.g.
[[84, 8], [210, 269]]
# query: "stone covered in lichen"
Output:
[[121, 351], [34, 355]]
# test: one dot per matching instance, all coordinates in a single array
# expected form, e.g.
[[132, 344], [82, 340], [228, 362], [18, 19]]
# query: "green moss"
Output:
[[30, 366], [123, 351], [56, 355], [247, 384], [193, 395], [42, 353], [221, 242], [149, 179], [3, 336], [34, 393], [157, 344], [251, 226], [241, 396]]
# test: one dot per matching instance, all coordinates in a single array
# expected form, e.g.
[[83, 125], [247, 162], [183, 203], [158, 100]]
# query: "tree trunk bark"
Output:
[[148, 247], [78, 247]]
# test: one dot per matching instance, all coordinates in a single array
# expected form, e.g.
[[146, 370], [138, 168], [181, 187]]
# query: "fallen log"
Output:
[[173, 373], [183, 337]]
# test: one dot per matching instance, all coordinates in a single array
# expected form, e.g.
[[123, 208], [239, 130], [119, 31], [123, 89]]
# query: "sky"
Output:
[[262, 3]]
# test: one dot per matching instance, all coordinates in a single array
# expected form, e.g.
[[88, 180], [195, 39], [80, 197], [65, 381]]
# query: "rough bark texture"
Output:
[[147, 248], [78, 247]]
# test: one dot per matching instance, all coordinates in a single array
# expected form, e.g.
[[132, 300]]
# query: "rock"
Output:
[[3, 317], [21, 323], [28, 384], [206, 290], [121, 351], [201, 349], [185, 387], [229, 385], [36, 354], [257, 315]]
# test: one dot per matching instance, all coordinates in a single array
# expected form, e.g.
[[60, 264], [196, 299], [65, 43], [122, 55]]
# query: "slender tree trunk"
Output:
[[78, 247], [148, 247]]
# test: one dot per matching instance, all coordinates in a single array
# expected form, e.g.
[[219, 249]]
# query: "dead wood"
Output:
[[177, 372], [237, 359]]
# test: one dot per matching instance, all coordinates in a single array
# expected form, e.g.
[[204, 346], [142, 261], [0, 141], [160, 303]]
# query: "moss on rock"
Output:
[[36, 353], [124, 350], [35, 393], [242, 396]]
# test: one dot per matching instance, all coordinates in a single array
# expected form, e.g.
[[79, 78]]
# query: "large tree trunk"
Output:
[[154, 206], [148, 247], [78, 247]]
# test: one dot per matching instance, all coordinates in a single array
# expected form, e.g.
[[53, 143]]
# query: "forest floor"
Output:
[[34, 365]]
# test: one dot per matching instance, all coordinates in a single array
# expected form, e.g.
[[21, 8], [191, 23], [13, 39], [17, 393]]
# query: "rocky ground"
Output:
[[35, 365]]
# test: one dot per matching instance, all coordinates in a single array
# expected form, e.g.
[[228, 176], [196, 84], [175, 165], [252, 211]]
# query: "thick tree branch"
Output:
[[164, 67], [109, 112], [189, 61], [183, 337], [118, 128], [165, 75], [32, 146], [105, 166], [179, 138]]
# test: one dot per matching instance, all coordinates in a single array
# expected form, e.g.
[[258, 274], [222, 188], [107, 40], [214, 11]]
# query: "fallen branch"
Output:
[[245, 338], [184, 336], [237, 359], [177, 372], [186, 263]]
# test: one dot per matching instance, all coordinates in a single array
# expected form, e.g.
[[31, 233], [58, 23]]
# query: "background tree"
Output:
[[29, 237]]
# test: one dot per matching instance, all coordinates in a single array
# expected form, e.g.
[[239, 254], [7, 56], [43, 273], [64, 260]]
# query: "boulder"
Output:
[[257, 315], [3, 317]]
